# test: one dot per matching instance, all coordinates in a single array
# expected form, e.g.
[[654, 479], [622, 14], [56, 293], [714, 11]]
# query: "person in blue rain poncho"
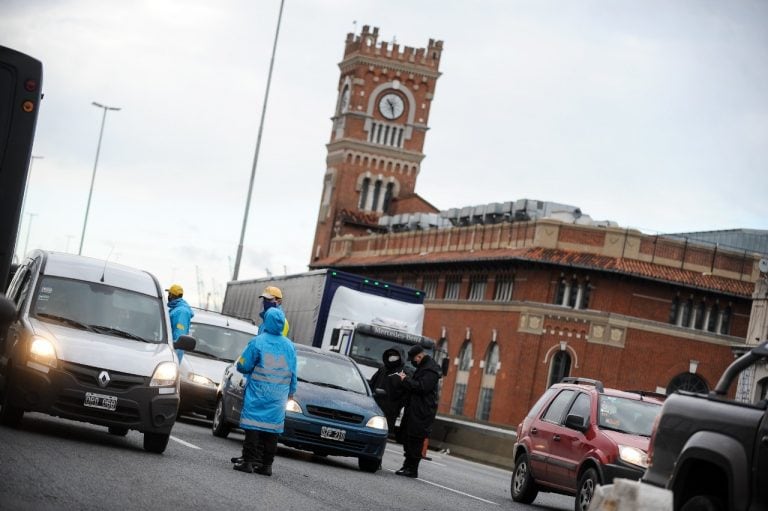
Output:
[[269, 363], [180, 313], [271, 297]]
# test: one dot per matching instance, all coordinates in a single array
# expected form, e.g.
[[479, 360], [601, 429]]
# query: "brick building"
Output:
[[523, 293]]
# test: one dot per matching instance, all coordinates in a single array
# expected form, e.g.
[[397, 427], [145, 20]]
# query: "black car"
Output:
[[332, 413]]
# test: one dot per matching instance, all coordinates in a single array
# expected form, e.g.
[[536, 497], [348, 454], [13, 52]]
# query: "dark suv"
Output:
[[580, 434]]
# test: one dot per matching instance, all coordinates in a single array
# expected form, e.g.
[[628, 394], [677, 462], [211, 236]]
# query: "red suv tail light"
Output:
[[653, 439]]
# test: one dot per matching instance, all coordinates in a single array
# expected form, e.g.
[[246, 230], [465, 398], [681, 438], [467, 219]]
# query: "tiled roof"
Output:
[[633, 267]]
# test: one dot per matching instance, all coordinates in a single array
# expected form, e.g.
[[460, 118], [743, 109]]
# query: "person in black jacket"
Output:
[[388, 379], [421, 408]]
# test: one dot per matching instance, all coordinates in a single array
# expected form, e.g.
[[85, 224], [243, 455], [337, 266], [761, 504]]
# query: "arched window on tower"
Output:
[[364, 192], [559, 367], [376, 195], [462, 378], [387, 197], [490, 368]]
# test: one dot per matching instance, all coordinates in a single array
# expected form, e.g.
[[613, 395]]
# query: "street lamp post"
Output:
[[29, 229], [24, 197], [95, 164], [258, 145]]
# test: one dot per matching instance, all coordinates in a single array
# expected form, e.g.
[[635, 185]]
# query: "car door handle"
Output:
[[556, 438], [534, 431], [764, 441]]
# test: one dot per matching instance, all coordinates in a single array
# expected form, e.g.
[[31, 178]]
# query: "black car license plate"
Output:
[[332, 433], [101, 401]]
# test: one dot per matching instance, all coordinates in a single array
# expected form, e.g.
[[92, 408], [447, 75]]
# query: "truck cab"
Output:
[[366, 343]]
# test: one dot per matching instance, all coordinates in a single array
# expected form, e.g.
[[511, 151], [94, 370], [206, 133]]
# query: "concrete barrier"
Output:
[[473, 441]]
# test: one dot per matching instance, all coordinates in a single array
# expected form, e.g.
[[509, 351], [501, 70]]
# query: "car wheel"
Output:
[[156, 442], [703, 503], [586, 489], [220, 427], [10, 415], [369, 464], [523, 488], [118, 430]]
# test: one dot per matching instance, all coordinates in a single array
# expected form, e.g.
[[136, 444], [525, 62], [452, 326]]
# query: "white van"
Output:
[[220, 340], [90, 341]]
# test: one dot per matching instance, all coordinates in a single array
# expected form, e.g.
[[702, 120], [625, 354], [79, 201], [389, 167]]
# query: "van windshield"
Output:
[[100, 308], [218, 341]]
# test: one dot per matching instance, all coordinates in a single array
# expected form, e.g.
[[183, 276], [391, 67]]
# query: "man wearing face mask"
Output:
[[388, 379], [272, 297], [421, 408]]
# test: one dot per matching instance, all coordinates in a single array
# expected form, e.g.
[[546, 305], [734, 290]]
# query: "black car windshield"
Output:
[[100, 308], [334, 372], [368, 349], [219, 341], [628, 415]]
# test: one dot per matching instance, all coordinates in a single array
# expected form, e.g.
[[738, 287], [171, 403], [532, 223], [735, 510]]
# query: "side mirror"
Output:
[[576, 422], [7, 311], [185, 342]]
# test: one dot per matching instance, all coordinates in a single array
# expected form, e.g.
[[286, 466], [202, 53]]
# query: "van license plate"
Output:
[[101, 401], [332, 433]]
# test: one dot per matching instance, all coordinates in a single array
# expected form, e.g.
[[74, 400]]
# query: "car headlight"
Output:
[[377, 422], [633, 455], [165, 374], [292, 406], [201, 380], [42, 350]]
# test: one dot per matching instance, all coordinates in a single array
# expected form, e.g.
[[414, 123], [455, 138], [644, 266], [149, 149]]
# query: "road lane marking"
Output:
[[182, 442], [459, 492]]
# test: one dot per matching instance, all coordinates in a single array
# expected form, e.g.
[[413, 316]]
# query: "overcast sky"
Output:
[[650, 113]]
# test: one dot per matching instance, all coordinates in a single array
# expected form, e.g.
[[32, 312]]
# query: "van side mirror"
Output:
[[576, 422], [185, 342], [7, 311]]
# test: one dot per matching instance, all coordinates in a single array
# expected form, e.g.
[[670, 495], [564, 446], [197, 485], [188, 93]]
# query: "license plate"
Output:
[[332, 433], [101, 401]]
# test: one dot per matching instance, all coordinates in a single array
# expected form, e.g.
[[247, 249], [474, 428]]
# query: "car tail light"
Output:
[[653, 439]]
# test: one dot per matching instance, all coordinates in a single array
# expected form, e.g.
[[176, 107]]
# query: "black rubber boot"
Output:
[[245, 466], [265, 470]]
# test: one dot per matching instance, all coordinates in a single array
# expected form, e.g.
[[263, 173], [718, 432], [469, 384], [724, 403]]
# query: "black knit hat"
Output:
[[415, 351]]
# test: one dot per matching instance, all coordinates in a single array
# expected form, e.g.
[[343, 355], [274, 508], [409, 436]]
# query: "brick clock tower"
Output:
[[377, 139]]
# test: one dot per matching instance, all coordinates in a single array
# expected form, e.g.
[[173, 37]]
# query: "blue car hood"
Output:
[[326, 397]]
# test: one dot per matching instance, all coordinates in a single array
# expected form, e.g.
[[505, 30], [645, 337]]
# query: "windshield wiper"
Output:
[[211, 355], [116, 331], [68, 321], [363, 358], [329, 385]]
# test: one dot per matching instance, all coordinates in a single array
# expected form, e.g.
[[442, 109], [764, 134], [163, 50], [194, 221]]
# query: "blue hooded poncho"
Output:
[[269, 363], [181, 314]]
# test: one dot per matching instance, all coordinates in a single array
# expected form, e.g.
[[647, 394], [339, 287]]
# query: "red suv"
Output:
[[579, 435]]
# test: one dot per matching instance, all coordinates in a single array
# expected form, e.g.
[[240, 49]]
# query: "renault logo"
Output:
[[103, 379]]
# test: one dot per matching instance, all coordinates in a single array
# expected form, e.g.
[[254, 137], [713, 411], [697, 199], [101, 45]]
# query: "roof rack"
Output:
[[644, 393], [575, 380]]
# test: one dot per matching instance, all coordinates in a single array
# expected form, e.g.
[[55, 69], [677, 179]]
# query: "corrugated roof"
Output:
[[557, 257]]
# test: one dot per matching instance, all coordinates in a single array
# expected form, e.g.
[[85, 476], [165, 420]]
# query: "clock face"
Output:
[[344, 104], [391, 106]]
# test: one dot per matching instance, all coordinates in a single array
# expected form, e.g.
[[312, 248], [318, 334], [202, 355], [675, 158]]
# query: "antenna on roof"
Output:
[[104, 270]]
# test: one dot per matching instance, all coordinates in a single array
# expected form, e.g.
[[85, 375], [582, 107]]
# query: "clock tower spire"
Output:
[[379, 125]]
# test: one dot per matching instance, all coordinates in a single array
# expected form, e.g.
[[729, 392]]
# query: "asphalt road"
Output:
[[51, 464]]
